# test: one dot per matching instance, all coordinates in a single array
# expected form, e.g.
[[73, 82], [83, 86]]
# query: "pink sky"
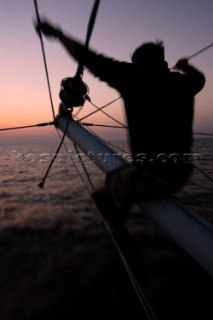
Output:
[[184, 26]]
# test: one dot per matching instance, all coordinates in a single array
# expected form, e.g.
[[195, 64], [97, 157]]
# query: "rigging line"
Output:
[[78, 111], [143, 301], [141, 296], [80, 66], [200, 51], [48, 83], [41, 184], [200, 186], [89, 33], [31, 126], [203, 133], [99, 109], [205, 174], [43, 181], [83, 166], [44, 58], [100, 125], [139, 292], [115, 146], [90, 27], [109, 116], [107, 142], [76, 168], [92, 22]]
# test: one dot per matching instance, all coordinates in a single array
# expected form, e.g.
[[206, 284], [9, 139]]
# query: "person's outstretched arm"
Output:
[[105, 68], [195, 77], [75, 48]]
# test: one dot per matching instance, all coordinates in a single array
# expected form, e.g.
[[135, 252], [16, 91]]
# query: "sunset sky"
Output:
[[121, 26]]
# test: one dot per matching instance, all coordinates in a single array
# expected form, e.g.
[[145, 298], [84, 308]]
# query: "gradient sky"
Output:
[[121, 26]]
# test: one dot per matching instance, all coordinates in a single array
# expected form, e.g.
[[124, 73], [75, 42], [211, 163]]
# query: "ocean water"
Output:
[[22, 167], [58, 262], [23, 203]]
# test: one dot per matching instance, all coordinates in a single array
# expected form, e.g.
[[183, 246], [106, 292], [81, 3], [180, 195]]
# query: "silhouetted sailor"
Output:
[[159, 107]]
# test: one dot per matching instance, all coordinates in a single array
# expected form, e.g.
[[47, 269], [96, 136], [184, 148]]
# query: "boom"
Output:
[[188, 229]]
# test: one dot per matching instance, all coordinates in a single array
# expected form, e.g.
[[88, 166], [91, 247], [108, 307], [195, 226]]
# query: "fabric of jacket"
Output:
[[159, 106]]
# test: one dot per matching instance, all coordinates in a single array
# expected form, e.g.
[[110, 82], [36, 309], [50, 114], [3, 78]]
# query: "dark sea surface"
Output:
[[57, 260]]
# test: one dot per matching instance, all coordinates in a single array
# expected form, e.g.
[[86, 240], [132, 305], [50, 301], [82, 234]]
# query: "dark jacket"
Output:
[[159, 104]]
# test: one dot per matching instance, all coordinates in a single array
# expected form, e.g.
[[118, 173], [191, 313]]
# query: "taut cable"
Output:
[[31, 126], [44, 58], [200, 51]]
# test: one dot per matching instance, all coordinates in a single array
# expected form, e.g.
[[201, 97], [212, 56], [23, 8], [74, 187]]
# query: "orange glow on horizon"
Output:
[[24, 94]]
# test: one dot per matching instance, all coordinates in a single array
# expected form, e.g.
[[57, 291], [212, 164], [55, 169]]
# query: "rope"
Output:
[[41, 184], [44, 58], [31, 126], [205, 174], [200, 186], [109, 116], [142, 299], [77, 170], [89, 33], [101, 109], [138, 290], [84, 168], [107, 142], [200, 51], [98, 109], [79, 73], [203, 133], [100, 125]]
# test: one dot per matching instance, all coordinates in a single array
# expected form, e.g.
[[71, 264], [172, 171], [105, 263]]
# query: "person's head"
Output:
[[150, 54]]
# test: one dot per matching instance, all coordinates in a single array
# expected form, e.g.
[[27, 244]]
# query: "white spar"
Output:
[[98, 151], [190, 231]]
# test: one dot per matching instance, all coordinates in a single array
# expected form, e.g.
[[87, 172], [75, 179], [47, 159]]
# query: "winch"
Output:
[[73, 92]]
